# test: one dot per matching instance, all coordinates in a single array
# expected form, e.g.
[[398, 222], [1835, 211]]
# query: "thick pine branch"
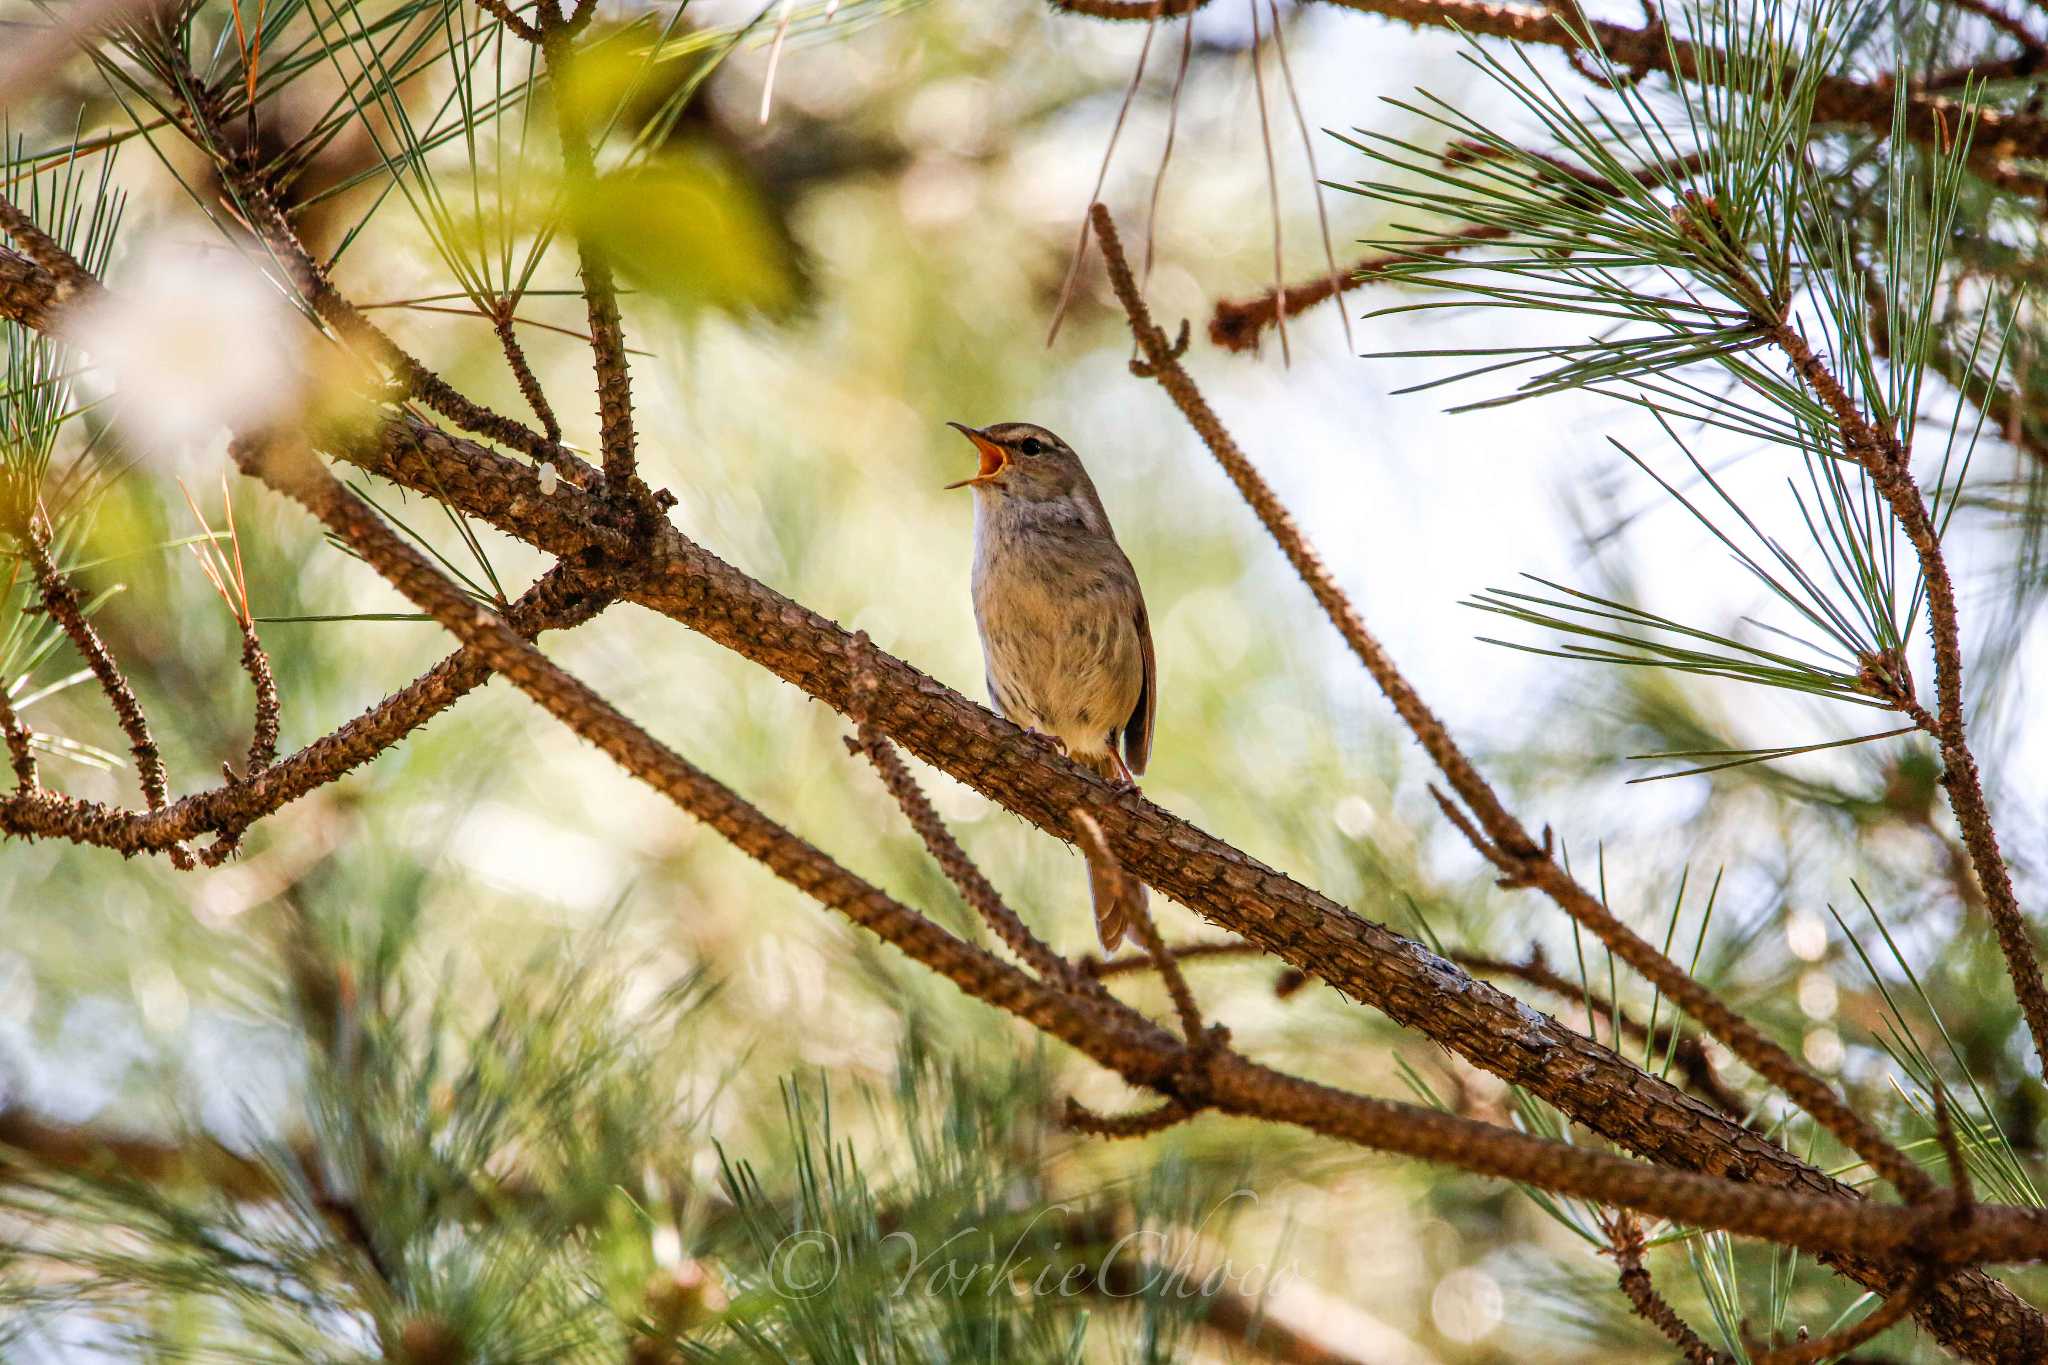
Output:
[[1972, 1312]]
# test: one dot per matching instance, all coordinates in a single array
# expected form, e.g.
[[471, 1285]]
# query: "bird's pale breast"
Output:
[[1057, 612]]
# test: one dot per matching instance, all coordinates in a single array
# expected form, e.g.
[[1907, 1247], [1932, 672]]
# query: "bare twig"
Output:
[[1837, 1344], [61, 602], [1090, 837], [607, 332], [502, 12], [1116, 129], [1498, 836], [231, 583], [1180, 80], [1143, 1123], [20, 743], [1145, 961], [1236, 324], [1962, 1199], [1315, 180], [1625, 1238], [515, 356], [954, 862]]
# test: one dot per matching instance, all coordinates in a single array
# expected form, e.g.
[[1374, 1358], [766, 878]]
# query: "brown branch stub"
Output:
[[263, 735], [522, 372], [503, 13], [21, 754], [1625, 1239], [1143, 1123], [1962, 1198]]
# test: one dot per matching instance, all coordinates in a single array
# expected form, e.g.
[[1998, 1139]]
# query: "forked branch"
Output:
[[1497, 834]]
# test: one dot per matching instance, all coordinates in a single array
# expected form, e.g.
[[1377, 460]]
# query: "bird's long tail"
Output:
[[1118, 896]]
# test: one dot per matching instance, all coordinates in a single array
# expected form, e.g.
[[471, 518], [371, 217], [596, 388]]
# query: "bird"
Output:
[[1064, 634]]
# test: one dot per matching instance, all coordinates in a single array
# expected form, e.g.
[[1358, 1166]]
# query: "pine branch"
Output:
[[1113, 1035], [1640, 51], [21, 754], [565, 596], [945, 850], [522, 373], [1685, 1051], [1498, 836], [201, 120], [1358, 957], [1236, 325], [1145, 961], [1191, 1029], [607, 333], [1970, 1311], [1879, 451], [61, 602], [1625, 1236]]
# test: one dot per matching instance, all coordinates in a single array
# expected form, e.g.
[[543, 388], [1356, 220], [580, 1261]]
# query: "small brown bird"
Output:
[[1062, 620]]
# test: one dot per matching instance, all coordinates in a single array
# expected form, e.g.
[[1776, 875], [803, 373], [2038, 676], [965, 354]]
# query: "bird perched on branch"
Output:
[[1062, 620]]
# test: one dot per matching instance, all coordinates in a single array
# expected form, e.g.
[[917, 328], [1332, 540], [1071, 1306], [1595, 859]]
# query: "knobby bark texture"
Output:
[[671, 574], [606, 531]]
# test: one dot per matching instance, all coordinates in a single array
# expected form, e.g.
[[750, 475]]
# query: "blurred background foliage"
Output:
[[483, 1054]]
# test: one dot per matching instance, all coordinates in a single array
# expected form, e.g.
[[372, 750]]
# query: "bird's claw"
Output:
[[1052, 742]]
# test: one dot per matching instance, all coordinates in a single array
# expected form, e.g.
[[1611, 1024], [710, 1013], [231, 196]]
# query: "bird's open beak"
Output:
[[994, 459]]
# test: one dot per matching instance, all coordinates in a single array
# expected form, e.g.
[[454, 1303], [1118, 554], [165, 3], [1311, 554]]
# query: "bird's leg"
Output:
[[1123, 782]]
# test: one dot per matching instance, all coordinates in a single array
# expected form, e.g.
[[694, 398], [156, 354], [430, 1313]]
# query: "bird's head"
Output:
[[1025, 462]]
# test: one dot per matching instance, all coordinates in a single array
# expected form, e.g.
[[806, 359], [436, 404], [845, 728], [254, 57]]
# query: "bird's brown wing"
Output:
[[1137, 733]]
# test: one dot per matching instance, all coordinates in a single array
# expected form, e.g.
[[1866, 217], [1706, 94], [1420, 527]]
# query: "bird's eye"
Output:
[[1031, 445]]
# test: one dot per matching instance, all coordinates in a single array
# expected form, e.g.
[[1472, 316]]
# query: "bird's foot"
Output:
[[1050, 741]]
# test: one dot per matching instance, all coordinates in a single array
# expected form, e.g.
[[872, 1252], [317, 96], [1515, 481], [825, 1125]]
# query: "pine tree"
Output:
[[1787, 1105]]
